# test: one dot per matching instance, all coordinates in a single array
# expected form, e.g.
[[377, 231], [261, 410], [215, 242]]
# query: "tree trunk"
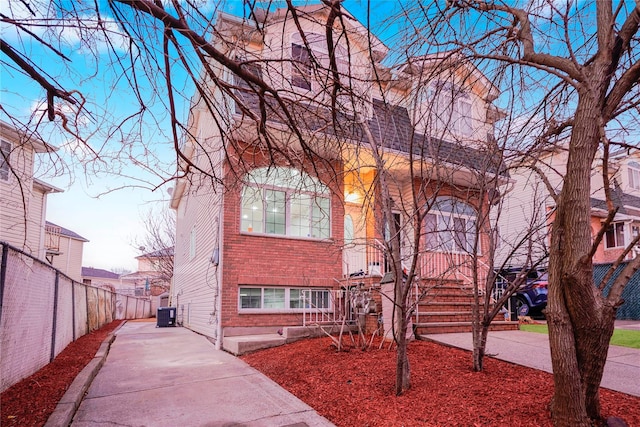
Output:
[[480, 334], [403, 373], [575, 309]]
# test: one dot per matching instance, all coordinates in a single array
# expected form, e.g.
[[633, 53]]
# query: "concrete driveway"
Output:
[[621, 373], [174, 377]]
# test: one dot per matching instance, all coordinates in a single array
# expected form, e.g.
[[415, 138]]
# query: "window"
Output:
[[5, 152], [301, 67], [283, 299], [349, 231], [634, 175], [615, 235], [452, 108], [286, 202], [450, 226]]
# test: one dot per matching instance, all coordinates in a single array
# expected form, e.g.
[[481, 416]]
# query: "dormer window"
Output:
[[634, 175], [452, 108]]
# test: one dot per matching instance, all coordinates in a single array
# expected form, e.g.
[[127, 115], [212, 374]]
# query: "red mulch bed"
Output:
[[30, 402], [356, 388]]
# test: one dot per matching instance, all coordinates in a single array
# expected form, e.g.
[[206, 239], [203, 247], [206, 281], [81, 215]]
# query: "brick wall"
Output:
[[261, 260]]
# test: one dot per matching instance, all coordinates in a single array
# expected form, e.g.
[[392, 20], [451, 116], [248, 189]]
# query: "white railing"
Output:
[[338, 310]]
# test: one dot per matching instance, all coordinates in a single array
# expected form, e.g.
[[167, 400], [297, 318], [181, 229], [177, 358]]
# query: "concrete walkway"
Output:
[[621, 373], [175, 377]]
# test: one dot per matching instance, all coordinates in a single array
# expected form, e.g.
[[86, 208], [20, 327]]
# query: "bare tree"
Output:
[[578, 64], [173, 45], [157, 244]]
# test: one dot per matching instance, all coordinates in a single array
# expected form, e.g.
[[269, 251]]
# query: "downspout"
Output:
[[219, 273]]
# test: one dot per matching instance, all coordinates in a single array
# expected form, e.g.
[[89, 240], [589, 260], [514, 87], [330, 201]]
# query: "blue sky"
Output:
[[104, 201]]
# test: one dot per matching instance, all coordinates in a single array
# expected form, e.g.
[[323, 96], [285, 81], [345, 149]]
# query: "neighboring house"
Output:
[[154, 273], [624, 175], [23, 198], [106, 279], [277, 242], [528, 205], [64, 250]]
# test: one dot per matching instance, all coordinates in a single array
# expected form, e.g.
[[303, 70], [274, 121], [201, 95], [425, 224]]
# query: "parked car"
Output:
[[531, 297]]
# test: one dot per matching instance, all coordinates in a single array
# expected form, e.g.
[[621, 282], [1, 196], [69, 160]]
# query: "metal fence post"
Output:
[[73, 309], [86, 304], [3, 275], [55, 317]]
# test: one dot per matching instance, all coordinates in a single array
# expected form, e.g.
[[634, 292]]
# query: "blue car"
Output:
[[531, 297]]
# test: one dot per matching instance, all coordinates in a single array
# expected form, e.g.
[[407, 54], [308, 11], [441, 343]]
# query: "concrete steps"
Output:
[[448, 309]]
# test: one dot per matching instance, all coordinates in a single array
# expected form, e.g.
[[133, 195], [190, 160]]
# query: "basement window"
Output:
[[283, 300]]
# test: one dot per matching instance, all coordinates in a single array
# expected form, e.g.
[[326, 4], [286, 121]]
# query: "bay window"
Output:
[[286, 202]]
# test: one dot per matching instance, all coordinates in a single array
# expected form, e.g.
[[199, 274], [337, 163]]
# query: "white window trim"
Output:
[[317, 48], [289, 192], [454, 96], [634, 175], [287, 299], [439, 216], [7, 164], [626, 233]]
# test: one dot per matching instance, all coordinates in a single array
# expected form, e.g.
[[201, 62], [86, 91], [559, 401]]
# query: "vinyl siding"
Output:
[[70, 259], [16, 211]]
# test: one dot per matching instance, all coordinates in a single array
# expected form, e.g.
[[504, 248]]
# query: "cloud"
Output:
[[80, 30]]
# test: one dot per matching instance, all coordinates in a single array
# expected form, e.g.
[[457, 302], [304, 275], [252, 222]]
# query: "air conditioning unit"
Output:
[[166, 316]]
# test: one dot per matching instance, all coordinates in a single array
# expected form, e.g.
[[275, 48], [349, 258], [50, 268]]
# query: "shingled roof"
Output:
[[390, 125], [66, 232], [98, 272], [627, 204]]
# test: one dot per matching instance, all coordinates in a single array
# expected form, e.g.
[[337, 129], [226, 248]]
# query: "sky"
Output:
[[103, 201]]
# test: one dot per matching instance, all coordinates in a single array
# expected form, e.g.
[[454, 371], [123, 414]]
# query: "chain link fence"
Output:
[[42, 311], [630, 310]]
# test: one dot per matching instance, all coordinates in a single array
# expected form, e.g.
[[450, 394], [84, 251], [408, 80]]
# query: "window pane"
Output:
[[250, 297], [460, 234], [445, 232], [275, 212], [349, 232], [5, 149], [299, 216], [300, 67], [610, 237], [295, 298], [320, 299], [464, 118], [620, 234], [431, 238], [321, 224], [273, 298], [252, 210]]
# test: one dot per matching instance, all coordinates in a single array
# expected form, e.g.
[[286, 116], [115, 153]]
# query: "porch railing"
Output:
[[52, 237], [369, 258]]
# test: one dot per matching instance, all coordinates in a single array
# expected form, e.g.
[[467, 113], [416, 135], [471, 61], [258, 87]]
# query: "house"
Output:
[[105, 279], [22, 196], [269, 239], [624, 176], [153, 276], [64, 250], [528, 207]]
